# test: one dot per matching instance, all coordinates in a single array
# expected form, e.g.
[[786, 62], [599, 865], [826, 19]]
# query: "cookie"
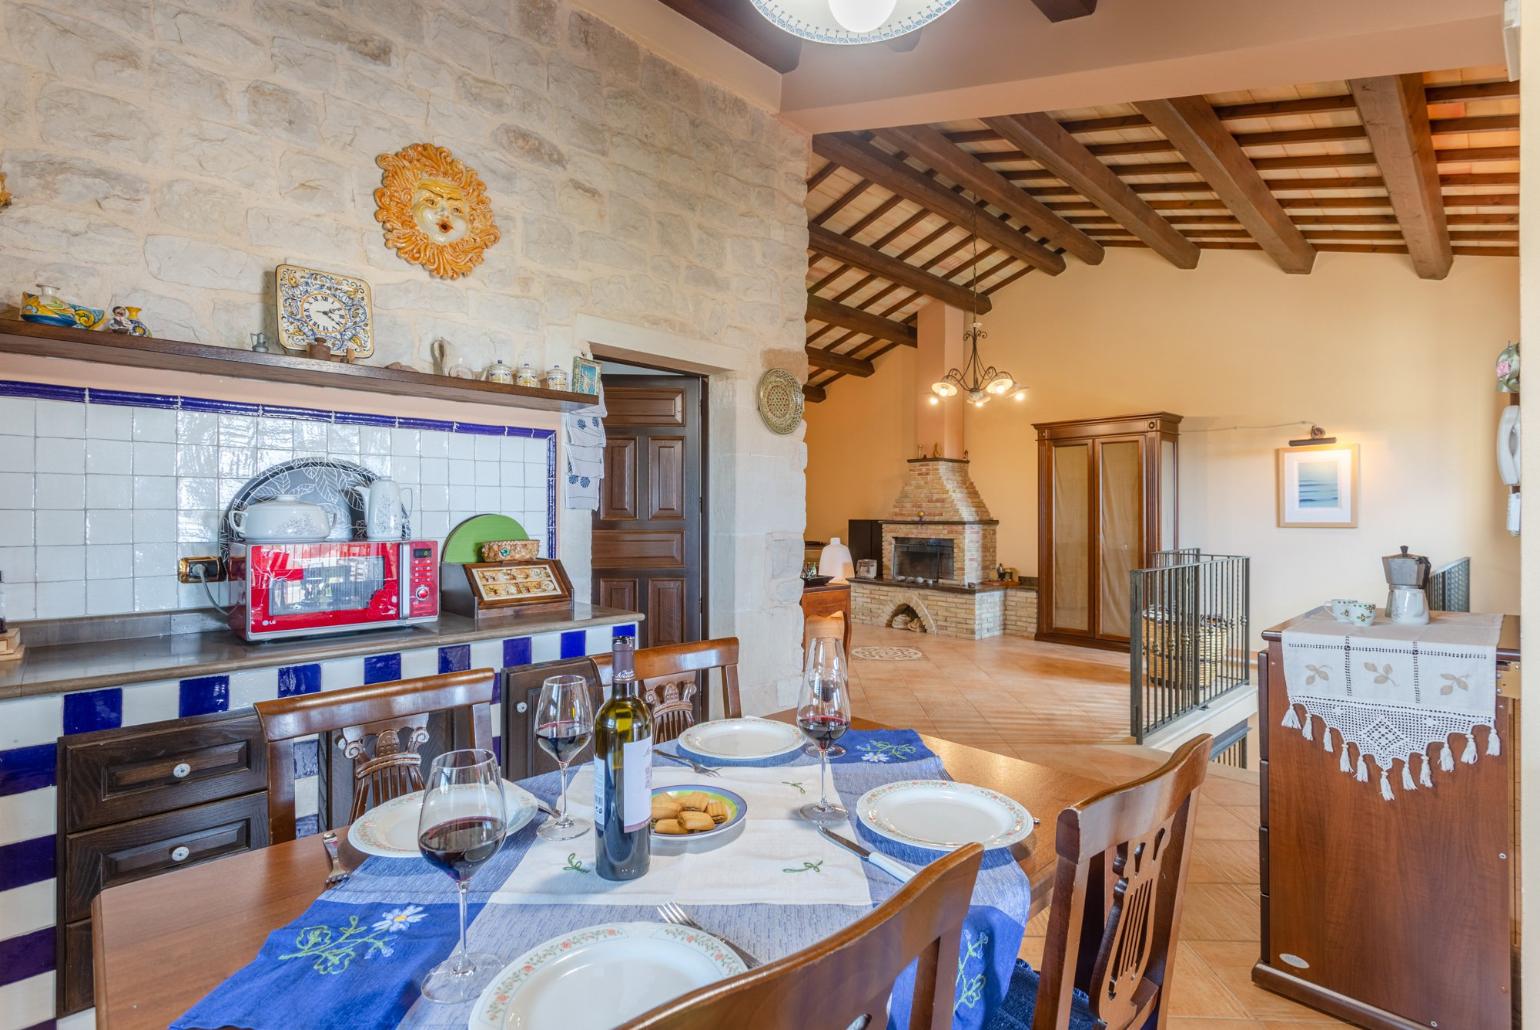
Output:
[[694, 822], [670, 826]]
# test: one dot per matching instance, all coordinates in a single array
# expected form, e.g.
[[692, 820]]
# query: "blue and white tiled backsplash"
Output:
[[101, 491]]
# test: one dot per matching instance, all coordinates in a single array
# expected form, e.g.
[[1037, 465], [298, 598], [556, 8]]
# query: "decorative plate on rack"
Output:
[[319, 306], [324, 481], [780, 401]]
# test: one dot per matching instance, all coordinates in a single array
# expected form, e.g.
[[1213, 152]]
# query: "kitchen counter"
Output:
[[81, 654]]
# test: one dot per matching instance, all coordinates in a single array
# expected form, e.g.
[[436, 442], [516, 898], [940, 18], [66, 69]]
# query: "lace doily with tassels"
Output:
[[1394, 694]]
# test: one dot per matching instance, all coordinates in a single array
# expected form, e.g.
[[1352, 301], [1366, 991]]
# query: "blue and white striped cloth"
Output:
[[354, 957]]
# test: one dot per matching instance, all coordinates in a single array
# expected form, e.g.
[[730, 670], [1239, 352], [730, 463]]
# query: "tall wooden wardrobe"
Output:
[[1106, 490]]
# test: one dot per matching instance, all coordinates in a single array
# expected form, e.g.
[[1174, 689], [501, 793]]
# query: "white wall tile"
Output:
[[433, 525], [196, 492], [433, 444], [488, 473], [534, 498], [27, 815], [404, 442], [512, 473], [16, 490], [238, 431], [110, 561], [462, 446], [238, 462], [379, 464], [197, 429], [273, 432], [85, 1019], [488, 498], [155, 492], [15, 527], [109, 457], [267, 457], [433, 470], [108, 596], [29, 908], [19, 564], [154, 459], [512, 448], [32, 720], [489, 448], [17, 454], [109, 422], [61, 418], [545, 647], [58, 454], [511, 499], [20, 600], [18, 416], [248, 686], [64, 600], [197, 460], [155, 559], [486, 654], [342, 674], [406, 469], [422, 662], [156, 425], [61, 527], [311, 436], [342, 440], [57, 490], [109, 526], [462, 496], [151, 702], [154, 526], [198, 526], [58, 564], [430, 497], [155, 594], [373, 440], [109, 491]]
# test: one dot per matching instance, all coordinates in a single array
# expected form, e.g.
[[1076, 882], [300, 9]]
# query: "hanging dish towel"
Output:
[[1394, 691], [585, 454]]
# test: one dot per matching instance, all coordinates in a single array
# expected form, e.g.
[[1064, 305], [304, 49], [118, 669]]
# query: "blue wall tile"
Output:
[[299, 679], [574, 643], [307, 826], [382, 668], [123, 398], [26, 861], [454, 659], [45, 391], [28, 955], [516, 651], [203, 695], [497, 749], [93, 710], [307, 758], [27, 768], [628, 630]]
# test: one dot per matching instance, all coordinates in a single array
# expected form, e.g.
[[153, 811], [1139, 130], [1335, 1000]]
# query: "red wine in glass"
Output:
[[564, 740], [459, 846], [823, 730]]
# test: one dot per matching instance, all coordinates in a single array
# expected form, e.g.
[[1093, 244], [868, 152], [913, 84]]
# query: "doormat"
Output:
[[887, 654]]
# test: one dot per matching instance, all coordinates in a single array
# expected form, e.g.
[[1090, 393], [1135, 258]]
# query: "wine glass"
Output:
[[564, 725], [823, 714], [462, 824]]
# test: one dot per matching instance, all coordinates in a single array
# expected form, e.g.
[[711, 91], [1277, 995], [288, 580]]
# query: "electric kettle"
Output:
[[1407, 575]]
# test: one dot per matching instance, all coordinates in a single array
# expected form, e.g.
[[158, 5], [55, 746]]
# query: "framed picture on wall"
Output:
[[1318, 487]]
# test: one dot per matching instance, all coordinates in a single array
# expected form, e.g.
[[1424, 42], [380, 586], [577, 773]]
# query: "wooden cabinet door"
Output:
[[647, 539]]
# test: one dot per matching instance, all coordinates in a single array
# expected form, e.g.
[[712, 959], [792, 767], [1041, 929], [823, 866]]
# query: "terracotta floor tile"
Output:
[[1196, 990], [1219, 912], [1215, 822], [1224, 861]]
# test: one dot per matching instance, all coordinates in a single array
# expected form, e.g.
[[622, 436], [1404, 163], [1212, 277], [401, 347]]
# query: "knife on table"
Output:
[[892, 866]]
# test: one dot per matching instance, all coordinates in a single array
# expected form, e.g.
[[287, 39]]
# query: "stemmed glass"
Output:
[[564, 725], [462, 824], [823, 714]]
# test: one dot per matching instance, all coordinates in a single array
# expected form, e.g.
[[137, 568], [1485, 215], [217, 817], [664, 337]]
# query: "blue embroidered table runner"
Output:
[[354, 958]]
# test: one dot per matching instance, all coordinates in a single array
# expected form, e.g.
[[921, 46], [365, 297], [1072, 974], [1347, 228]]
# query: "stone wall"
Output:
[[169, 155], [1021, 612], [973, 547], [971, 615]]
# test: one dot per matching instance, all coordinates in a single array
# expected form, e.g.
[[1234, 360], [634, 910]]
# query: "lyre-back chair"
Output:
[[381, 726], [676, 683]]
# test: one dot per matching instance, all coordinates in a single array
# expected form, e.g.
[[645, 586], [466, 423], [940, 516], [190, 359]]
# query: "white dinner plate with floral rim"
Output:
[[943, 815], [390, 830], [601, 976], [742, 740]]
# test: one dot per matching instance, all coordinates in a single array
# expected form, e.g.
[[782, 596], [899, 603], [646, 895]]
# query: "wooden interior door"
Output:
[[647, 533]]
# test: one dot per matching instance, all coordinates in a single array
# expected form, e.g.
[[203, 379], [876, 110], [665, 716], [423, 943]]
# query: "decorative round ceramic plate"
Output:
[[780, 401], [390, 830], [943, 815], [601, 976], [737, 810], [741, 739]]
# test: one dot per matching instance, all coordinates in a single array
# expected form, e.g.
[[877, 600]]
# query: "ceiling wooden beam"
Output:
[[1191, 124], [813, 394], [1396, 117], [819, 309], [843, 248], [1065, 10], [930, 146], [738, 23], [827, 359], [897, 177], [1056, 150]]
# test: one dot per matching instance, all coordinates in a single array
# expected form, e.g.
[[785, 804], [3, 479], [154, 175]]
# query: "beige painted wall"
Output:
[[1380, 358]]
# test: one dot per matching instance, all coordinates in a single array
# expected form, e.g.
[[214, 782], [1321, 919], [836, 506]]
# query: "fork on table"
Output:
[[338, 874], [672, 913], [700, 770]]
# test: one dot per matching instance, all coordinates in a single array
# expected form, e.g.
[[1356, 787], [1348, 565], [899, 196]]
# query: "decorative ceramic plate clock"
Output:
[[334, 309]]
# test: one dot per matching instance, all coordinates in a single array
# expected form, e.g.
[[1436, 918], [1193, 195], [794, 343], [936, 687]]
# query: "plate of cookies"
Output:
[[694, 812]]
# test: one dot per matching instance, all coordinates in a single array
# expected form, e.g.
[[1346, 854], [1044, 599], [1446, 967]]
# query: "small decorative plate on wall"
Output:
[[780, 401], [320, 306]]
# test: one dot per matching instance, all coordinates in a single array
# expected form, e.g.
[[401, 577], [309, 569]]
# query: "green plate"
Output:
[[463, 544]]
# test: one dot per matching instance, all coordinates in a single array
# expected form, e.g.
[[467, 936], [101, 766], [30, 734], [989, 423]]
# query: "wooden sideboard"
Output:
[[1389, 914], [827, 600]]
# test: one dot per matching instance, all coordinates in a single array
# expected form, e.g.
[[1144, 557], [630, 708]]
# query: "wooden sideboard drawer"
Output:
[[116, 775], [98, 859]]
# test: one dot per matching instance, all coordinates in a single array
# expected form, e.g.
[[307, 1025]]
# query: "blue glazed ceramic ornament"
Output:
[[1508, 369]]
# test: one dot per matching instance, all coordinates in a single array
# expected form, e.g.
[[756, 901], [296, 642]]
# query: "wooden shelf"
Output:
[[43, 341]]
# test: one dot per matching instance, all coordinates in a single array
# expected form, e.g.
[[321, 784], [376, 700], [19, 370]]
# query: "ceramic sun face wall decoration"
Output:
[[435, 210]]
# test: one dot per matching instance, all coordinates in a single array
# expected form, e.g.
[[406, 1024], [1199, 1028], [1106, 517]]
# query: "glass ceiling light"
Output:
[[979, 382], [850, 22]]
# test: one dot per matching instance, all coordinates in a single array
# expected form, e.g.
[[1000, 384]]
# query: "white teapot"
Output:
[[283, 519], [384, 509]]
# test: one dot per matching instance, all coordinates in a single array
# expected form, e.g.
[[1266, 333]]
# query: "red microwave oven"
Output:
[[296, 590]]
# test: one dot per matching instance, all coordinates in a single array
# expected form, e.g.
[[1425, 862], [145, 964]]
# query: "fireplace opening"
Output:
[[923, 558], [905, 617]]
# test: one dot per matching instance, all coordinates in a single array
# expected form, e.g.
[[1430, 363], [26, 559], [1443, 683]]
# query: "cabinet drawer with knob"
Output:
[[126, 774], [102, 858]]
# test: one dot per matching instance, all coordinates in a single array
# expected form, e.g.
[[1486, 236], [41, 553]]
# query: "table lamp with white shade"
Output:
[[834, 560]]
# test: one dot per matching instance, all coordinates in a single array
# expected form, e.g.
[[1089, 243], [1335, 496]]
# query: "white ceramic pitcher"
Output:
[[384, 509]]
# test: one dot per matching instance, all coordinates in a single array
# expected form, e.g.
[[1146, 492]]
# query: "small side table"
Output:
[[826, 600]]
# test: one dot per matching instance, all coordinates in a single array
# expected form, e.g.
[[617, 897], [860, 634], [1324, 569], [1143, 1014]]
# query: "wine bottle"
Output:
[[623, 774]]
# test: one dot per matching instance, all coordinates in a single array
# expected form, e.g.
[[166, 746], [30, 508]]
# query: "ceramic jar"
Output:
[[46, 307], [283, 519], [556, 378], [527, 376], [498, 372]]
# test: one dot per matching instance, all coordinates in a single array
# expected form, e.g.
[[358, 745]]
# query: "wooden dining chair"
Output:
[[676, 683], [849, 975], [381, 727], [1117, 904]]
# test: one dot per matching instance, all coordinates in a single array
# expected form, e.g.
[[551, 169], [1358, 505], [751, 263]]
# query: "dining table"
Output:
[[162, 943]]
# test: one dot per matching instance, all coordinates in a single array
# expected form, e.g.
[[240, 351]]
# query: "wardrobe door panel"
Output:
[[1120, 544], [1071, 537]]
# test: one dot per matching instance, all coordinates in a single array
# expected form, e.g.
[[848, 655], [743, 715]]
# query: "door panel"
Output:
[[1120, 544], [648, 533], [1071, 535]]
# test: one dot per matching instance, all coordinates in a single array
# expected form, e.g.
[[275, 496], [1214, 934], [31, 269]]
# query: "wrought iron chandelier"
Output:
[[978, 382]]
